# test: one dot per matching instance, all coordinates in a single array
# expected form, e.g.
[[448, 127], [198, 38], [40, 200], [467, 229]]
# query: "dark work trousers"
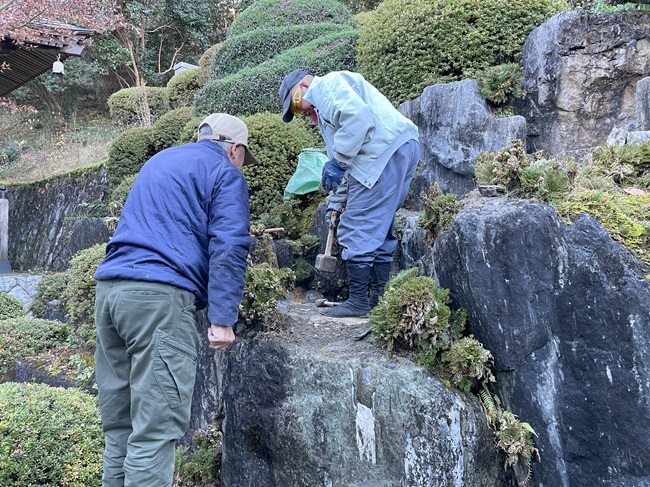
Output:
[[365, 230], [145, 364]]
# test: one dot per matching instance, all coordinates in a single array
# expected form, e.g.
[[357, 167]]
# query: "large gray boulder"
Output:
[[566, 312], [455, 126], [581, 72], [316, 406]]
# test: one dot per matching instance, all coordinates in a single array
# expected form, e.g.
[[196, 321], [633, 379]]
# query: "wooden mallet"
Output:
[[325, 262]]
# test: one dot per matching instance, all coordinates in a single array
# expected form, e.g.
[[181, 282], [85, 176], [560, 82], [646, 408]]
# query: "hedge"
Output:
[[407, 45], [127, 106], [256, 47], [277, 146], [49, 436], [280, 13], [128, 153], [182, 87], [254, 89]]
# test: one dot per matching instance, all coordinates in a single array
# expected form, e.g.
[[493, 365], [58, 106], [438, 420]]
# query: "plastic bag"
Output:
[[308, 172]]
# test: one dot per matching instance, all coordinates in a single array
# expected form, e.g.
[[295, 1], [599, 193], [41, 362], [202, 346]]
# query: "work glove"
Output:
[[332, 175], [328, 217]]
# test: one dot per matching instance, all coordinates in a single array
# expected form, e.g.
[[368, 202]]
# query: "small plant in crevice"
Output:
[[513, 436], [413, 317], [526, 176], [264, 285], [439, 212], [201, 467]]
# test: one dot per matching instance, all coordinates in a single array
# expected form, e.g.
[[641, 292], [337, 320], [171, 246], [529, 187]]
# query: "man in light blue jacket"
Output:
[[375, 150]]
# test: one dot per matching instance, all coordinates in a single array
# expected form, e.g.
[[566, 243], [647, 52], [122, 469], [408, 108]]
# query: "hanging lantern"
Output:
[[57, 67]]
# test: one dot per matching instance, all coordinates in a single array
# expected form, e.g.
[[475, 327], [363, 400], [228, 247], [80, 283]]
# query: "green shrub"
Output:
[[412, 310], [280, 13], [468, 362], [168, 127], [51, 288], [190, 130], [277, 145], [10, 307], [256, 47], [501, 84], [182, 87], [128, 153], [255, 89], [117, 198], [407, 45], [439, 212], [265, 284], [23, 337], [625, 164], [138, 106], [49, 436], [81, 293], [10, 152]]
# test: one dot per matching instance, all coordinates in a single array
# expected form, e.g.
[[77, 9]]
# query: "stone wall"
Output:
[[49, 220]]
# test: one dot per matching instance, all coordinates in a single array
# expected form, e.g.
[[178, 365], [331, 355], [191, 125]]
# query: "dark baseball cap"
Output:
[[289, 82]]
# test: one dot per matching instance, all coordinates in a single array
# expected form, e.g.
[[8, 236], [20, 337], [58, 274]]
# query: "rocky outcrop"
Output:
[[317, 407], [566, 312], [23, 287], [581, 74], [643, 104], [455, 126], [50, 220]]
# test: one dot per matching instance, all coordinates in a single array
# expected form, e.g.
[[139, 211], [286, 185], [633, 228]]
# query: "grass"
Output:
[[33, 148]]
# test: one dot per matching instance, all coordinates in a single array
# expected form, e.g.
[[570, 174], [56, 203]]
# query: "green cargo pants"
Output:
[[145, 364]]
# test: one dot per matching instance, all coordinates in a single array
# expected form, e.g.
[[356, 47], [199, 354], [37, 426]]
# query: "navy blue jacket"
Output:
[[186, 223]]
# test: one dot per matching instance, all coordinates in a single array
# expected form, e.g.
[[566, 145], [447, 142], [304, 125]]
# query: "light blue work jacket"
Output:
[[361, 128]]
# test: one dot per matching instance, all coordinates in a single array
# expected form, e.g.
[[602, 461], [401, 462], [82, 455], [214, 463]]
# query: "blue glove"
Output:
[[332, 175], [328, 217]]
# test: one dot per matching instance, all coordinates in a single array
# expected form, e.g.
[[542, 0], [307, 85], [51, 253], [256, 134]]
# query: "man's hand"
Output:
[[332, 175], [220, 336], [328, 218]]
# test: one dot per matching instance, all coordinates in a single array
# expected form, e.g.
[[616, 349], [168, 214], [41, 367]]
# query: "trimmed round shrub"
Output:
[[255, 89], [49, 436], [407, 45], [140, 105], [10, 307], [81, 293], [128, 153], [279, 13], [119, 194], [277, 145], [182, 87], [168, 127], [23, 337], [258, 46], [190, 130]]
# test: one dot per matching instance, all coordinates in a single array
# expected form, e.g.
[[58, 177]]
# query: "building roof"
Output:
[[34, 56]]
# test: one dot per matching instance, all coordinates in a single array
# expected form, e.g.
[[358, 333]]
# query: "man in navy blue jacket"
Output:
[[181, 244]]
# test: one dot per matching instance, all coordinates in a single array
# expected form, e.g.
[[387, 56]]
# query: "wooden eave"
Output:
[[31, 57]]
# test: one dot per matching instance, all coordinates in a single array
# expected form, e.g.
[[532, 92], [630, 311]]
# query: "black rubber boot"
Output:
[[357, 303], [379, 276]]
